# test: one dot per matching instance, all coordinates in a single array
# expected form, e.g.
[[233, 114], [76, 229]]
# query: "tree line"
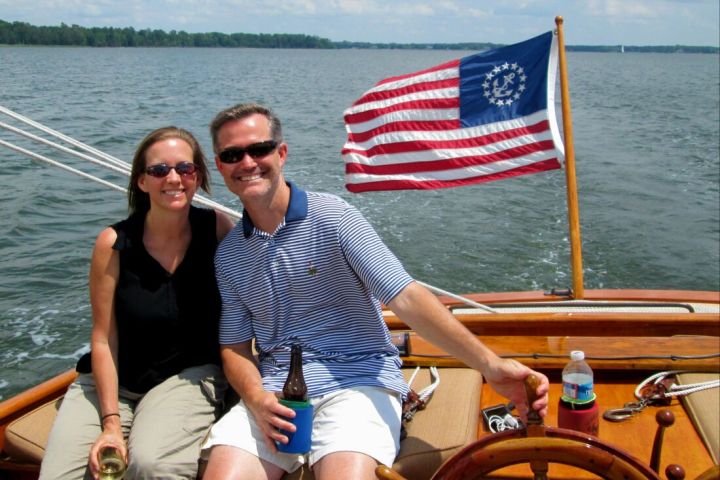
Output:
[[21, 33]]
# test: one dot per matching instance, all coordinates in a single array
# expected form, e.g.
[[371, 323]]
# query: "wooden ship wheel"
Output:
[[539, 445]]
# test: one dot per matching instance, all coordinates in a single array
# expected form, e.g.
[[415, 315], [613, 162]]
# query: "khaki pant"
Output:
[[163, 428]]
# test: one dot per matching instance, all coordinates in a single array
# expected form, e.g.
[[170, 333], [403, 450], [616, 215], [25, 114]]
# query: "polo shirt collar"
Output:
[[297, 209]]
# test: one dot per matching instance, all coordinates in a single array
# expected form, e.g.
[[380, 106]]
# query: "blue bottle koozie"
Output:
[[301, 439]]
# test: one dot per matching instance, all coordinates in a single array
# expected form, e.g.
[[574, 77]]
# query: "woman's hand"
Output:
[[111, 437]]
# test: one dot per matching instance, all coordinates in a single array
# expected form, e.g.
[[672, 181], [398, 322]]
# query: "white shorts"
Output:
[[361, 419]]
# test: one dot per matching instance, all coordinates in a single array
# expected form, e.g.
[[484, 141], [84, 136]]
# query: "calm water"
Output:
[[646, 140]]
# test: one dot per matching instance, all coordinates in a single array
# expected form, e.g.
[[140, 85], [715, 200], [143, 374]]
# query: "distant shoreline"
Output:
[[25, 34]]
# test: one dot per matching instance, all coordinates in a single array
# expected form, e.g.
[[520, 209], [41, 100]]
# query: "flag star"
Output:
[[496, 70], [508, 102], [486, 94], [505, 66], [521, 88], [501, 103], [521, 70], [514, 66], [516, 96], [488, 76], [492, 101], [486, 85], [523, 78]]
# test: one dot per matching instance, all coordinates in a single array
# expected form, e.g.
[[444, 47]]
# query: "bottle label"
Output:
[[579, 392]]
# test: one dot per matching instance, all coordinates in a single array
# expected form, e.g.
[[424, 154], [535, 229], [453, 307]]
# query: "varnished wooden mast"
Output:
[[578, 290]]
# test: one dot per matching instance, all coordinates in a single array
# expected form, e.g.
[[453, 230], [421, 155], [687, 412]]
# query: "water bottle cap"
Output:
[[576, 355]]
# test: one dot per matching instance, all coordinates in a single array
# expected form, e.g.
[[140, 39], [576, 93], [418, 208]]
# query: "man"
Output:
[[307, 268]]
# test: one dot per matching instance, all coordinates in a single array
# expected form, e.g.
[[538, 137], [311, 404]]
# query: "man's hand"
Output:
[[507, 377], [271, 416]]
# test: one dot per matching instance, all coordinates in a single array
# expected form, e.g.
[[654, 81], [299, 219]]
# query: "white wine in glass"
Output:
[[112, 465]]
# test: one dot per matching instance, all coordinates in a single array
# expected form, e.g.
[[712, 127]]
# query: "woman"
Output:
[[154, 375]]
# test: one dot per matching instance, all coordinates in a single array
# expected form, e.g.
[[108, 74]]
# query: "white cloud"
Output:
[[620, 8], [599, 22], [355, 7]]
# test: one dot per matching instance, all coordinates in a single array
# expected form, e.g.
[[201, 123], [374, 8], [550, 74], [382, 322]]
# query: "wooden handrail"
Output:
[[585, 324]]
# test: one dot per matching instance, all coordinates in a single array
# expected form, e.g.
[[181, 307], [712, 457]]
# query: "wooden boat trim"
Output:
[[639, 324], [711, 297], [618, 354]]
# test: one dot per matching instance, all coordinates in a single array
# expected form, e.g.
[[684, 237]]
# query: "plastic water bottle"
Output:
[[578, 407], [577, 378]]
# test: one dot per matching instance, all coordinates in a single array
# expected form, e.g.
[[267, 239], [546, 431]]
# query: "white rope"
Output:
[[426, 392], [412, 377], [675, 390]]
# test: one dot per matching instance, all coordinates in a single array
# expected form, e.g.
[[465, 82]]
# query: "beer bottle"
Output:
[[295, 388]]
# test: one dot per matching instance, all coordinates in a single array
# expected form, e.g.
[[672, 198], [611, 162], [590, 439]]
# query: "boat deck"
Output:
[[682, 445]]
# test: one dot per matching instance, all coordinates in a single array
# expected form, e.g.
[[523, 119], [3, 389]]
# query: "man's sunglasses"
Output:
[[161, 170], [256, 150]]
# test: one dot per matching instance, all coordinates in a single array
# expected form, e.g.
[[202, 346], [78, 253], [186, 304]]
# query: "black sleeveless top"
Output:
[[166, 322]]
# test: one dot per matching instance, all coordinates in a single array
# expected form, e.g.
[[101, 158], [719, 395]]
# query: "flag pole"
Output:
[[578, 291]]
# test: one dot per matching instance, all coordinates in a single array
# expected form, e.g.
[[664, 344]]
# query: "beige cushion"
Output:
[[704, 410], [26, 436], [449, 422]]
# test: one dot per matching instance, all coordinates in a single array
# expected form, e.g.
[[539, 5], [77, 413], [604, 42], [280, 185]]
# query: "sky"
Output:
[[587, 22]]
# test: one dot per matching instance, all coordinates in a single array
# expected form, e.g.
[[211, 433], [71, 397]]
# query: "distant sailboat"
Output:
[[622, 48]]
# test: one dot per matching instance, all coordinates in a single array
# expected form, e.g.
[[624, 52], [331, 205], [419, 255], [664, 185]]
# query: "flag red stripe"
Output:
[[408, 89], [421, 145], [429, 104], [450, 163], [451, 64], [405, 126], [544, 165]]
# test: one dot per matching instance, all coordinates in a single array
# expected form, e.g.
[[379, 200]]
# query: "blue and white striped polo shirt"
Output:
[[315, 281]]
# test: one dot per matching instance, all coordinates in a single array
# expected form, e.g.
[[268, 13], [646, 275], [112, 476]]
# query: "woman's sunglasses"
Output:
[[161, 170], [256, 150]]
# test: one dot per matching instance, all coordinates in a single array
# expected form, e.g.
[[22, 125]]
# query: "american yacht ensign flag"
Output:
[[483, 117]]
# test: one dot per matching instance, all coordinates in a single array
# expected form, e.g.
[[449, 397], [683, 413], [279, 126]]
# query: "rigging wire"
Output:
[[103, 159], [50, 161], [107, 161]]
